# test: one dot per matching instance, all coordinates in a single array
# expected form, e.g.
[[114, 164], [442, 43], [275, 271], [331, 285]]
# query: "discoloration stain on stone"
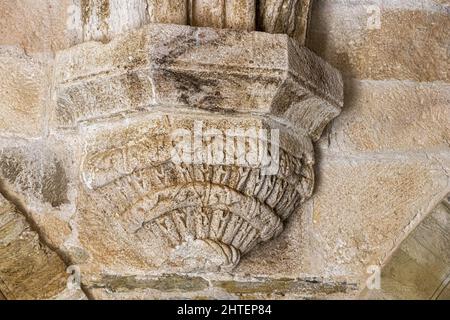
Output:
[[168, 282], [86, 11], [268, 286], [48, 178], [134, 88], [54, 185]]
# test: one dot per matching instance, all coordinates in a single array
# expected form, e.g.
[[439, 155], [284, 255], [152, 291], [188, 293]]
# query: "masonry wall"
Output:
[[383, 164], [385, 160]]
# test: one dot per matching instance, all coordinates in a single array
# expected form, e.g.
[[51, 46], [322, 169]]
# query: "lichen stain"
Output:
[[54, 186]]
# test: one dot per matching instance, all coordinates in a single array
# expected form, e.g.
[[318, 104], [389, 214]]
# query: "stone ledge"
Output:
[[196, 287]]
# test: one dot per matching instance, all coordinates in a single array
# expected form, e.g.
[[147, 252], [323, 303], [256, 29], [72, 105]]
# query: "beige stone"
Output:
[[24, 93], [137, 76], [408, 44], [103, 19], [289, 17], [41, 174], [420, 267], [192, 287], [168, 11], [42, 26], [388, 116], [285, 88], [35, 168], [133, 164], [358, 223], [28, 270], [238, 14], [92, 168], [151, 67], [38, 26]]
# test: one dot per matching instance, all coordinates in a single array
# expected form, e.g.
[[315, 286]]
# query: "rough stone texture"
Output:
[[103, 19], [393, 194], [28, 270], [151, 205], [289, 17], [38, 171], [174, 65], [392, 133], [191, 287], [238, 14], [46, 26], [38, 26], [420, 267], [85, 146], [392, 116], [199, 217], [168, 11], [411, 43], [24, 93]]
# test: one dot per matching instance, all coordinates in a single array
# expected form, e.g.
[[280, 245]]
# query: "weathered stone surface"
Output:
[[366, 219], [28, 270], [411, 41], [238, 14], [43, 26], [154, 67], [36, 172], [24, 93], [191, 287], [420, 267], [152, 204], [103, 19], [42, 175], [168, 11], [388, 116], [289, 17], [38, 26], [87, 180], [350, 224], [201, 216]]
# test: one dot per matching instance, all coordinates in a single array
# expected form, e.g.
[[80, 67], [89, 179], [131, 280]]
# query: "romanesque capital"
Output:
[[198, 140]]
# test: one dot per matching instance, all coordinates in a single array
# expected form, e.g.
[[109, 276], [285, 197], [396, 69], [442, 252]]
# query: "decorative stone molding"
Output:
[[198, 215]]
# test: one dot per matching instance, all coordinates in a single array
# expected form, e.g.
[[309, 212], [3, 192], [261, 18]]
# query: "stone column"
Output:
[[102, 19], [236, 14]]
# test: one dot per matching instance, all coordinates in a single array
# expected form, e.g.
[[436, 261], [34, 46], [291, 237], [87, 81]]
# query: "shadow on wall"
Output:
[[420, 267]]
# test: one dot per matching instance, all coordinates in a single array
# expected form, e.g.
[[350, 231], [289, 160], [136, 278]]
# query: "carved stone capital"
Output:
[[131, 99]]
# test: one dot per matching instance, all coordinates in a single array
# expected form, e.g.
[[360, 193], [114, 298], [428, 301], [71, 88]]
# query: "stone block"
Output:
[[39, 26], [28, 269], [388, 40], [217, 70], [24, 93], [391, 116]]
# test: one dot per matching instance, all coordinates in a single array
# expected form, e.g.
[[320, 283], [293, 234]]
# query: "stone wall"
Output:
[[381, 166], [385, 160]]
